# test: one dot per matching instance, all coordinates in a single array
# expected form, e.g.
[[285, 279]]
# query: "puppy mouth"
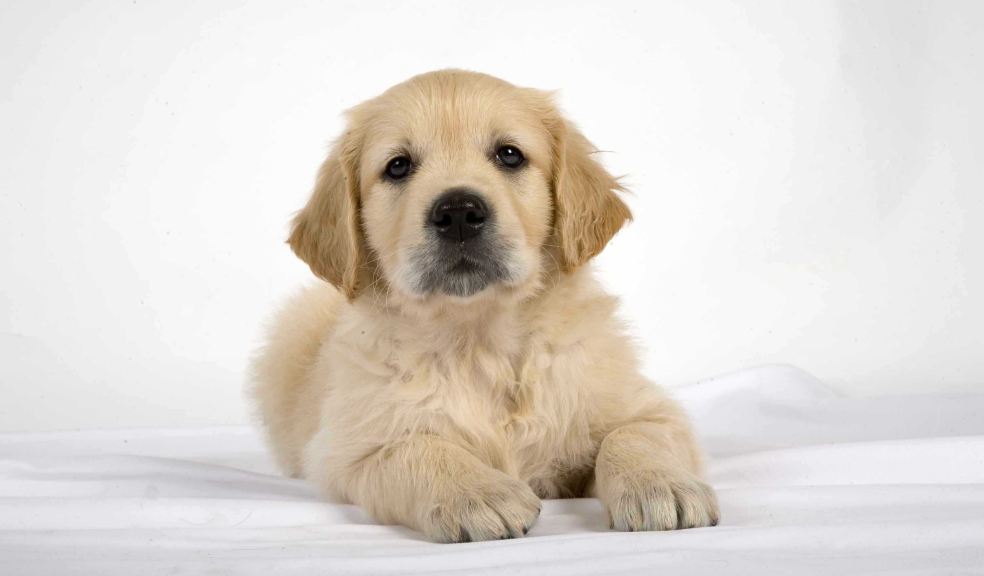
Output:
[[460, 270], [465, 265], [468, 273]]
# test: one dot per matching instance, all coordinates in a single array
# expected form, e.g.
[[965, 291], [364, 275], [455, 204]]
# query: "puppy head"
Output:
[[454, 185]]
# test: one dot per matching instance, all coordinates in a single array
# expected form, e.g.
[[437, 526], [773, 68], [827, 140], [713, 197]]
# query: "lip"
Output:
[[465, 266]]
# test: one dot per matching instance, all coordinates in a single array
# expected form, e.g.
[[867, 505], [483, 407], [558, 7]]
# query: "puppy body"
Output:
[[455, 414]]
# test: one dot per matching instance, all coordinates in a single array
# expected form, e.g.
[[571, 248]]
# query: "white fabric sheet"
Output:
[[809, 482]]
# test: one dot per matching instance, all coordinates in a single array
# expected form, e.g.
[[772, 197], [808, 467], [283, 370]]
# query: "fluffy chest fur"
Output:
[[518, 393]]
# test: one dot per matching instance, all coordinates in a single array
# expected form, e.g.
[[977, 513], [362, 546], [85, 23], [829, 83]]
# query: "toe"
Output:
[[696, 504], [659, 508]]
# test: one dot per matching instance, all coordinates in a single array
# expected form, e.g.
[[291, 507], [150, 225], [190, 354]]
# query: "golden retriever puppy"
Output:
[[460, 363]]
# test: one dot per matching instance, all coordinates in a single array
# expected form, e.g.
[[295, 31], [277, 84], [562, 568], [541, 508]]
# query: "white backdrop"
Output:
[[808, 182]]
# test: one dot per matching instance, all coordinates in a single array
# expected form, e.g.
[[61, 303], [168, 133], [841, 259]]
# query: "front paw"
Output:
[[490, 508], [658, 500]]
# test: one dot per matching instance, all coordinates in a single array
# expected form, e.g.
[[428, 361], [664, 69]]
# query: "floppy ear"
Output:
[[587, 212], [327, 233]]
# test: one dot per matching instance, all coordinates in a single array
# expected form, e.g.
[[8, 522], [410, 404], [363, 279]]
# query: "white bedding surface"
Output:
[[809, 482]]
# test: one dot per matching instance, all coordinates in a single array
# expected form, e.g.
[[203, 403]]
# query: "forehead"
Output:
[[452, 113]]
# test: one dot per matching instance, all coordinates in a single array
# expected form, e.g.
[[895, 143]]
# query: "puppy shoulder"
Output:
[[576, 309]]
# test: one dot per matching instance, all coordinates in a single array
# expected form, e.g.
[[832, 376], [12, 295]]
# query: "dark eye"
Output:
[[398, 168], [510, 157]]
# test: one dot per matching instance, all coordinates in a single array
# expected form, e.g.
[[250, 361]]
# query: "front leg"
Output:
[[647, 474], [436, 486]]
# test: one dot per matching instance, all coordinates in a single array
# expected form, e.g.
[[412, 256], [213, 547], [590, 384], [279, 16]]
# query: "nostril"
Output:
[[443, 220], [474, 218]]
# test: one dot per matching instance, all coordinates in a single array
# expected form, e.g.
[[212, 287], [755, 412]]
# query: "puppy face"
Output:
[[454, 185]]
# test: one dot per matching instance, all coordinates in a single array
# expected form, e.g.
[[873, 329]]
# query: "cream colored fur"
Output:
[[454, 415]]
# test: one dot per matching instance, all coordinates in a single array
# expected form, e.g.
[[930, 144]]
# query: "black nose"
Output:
[[459, 215]]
